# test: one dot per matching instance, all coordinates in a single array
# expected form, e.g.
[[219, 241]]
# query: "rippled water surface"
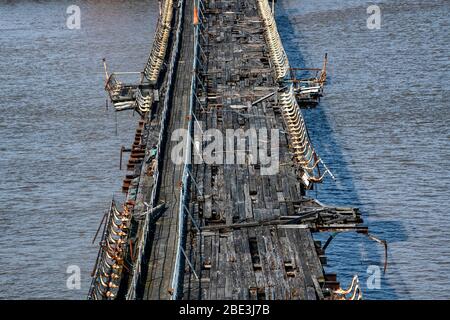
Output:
[[59, 149], [382, 127]]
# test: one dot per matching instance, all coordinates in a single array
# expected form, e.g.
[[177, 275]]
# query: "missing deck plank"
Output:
[[258, 293], [289, 268], [256, 260]]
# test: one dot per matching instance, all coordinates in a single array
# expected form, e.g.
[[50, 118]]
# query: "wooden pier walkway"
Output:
[[164, 246], [240, 227], [257, 262]]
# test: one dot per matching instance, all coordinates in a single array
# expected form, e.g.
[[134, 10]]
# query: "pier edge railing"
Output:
[[137, 268], [307, 159], [107, 279], [177, 280]]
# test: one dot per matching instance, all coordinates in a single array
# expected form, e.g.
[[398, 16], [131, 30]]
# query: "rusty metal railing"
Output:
[[137, 267], [303, 151]]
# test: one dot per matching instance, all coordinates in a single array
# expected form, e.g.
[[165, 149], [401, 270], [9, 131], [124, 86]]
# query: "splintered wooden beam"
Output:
[[313, 220]]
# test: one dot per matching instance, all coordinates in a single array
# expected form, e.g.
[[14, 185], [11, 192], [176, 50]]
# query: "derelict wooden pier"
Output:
[[164, 247], [226, 230], [254, 262]]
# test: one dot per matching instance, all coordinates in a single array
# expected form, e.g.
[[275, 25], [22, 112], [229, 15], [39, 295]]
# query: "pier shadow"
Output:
[[349, 253]]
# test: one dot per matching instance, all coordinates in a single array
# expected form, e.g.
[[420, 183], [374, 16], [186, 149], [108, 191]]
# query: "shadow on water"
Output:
[[349, 253]]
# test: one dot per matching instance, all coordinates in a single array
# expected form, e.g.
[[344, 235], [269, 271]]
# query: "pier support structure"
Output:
[[198, 230]]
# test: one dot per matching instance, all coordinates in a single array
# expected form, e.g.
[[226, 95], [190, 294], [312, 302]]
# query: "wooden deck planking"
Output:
[[164, 245], [238, 72], [239, 192]]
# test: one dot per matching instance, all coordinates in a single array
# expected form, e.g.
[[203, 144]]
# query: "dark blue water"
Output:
[[382, 128], [59, 152]]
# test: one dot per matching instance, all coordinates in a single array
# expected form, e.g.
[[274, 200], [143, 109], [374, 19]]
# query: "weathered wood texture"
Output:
[[259, 262], [164, 230]]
